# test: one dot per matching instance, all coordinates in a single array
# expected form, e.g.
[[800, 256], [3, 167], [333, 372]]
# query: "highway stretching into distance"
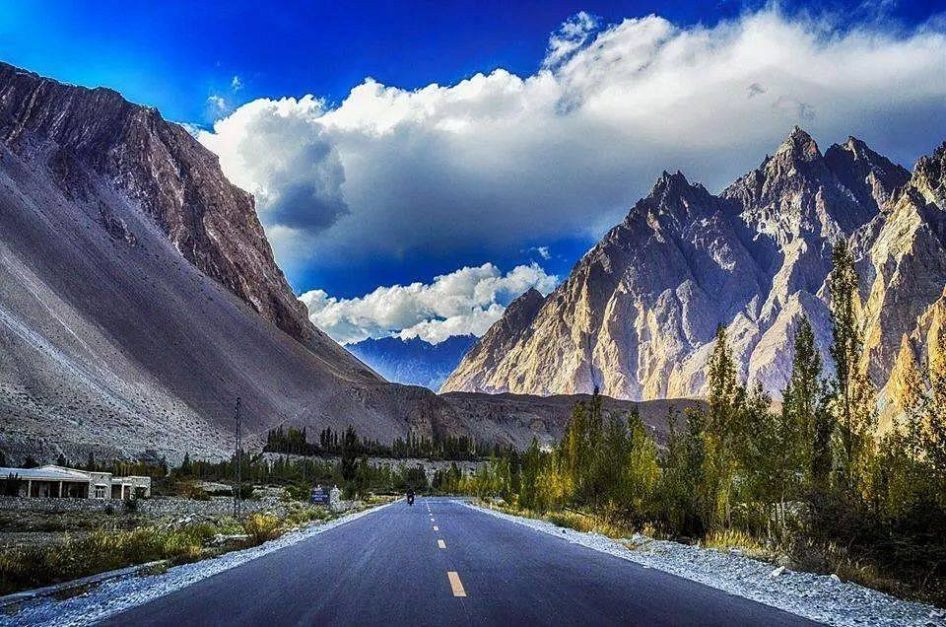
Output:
[[443, 563]]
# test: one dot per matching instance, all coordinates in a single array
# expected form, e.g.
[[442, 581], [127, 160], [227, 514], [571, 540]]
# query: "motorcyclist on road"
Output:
[[410, 496]]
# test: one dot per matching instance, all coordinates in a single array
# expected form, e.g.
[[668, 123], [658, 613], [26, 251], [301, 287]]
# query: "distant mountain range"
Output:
[[413, 361], [636, 316]]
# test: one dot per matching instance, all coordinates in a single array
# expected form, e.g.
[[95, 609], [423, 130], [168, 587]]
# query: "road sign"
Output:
[[319, 496]]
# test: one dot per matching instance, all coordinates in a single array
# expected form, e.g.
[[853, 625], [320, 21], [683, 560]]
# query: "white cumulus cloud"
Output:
[[465, 301], [501, 160]]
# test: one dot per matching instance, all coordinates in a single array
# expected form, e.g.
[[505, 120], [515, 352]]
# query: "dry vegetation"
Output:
[[88, 543]]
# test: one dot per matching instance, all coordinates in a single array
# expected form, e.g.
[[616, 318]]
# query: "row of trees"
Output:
[[295, 441], [353, 474], [805, 479]]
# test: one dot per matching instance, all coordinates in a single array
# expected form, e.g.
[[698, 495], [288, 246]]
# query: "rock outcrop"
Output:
[[636, 316]]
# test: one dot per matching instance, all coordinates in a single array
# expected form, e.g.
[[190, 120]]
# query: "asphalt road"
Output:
[[442, 563]]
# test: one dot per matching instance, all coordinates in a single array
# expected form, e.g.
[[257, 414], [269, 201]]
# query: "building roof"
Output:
[[46, 473]]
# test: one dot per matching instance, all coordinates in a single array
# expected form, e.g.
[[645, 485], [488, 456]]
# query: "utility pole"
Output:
[[238, 456]]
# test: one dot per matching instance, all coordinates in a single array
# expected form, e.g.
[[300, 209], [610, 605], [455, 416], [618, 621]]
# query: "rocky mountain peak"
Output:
[[799, 146], [672, 200], [523, 309], [496, 342], [929, 176], [637, 315], [796, 191], [871, 178], [669, 183]]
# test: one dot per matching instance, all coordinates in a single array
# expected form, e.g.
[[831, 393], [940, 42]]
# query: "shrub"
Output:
[[261, 527]]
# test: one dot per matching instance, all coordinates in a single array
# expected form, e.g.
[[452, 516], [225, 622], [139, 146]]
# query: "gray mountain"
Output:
[[637, 314], [139, 296], [497, 341]]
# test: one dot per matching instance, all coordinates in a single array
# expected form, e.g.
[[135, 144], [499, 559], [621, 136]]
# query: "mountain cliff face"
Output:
[[498, 340], [158, 167], [903, 270], [413, 361], [637, 314]]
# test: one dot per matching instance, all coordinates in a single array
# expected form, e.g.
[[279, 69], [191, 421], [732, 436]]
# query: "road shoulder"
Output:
[[817, 597]]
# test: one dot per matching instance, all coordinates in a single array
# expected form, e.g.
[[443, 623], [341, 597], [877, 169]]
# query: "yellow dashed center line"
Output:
[[436, 528], [455, 584], [441, 544]]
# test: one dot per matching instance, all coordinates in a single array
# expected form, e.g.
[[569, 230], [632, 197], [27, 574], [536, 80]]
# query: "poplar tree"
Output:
[[846, 340], [802, 400], [723, 386]]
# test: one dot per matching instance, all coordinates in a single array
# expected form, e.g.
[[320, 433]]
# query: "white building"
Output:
[[59, 482]]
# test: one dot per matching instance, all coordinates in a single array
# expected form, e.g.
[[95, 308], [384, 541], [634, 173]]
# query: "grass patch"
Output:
[[262, 527], [569, 518], [111, 546], [735, 539], [802, 555], [25, 567]]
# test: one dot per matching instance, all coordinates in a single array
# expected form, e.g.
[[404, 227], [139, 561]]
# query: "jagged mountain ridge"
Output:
[[413, 361], [637, 314]]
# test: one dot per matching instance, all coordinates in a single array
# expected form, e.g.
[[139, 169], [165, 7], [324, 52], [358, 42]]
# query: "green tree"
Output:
[[846, 338], [682, 477], [350, 450], [531, 469], [186, 468], [723, 387], [803, 404], [726, 434], [855, 400], [641, 476]]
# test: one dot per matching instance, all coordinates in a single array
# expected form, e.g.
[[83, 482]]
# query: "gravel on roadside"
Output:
[[823, 598]]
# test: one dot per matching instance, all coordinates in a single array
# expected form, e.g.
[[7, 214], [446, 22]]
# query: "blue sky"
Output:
[[174, 55], [459, 176]]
